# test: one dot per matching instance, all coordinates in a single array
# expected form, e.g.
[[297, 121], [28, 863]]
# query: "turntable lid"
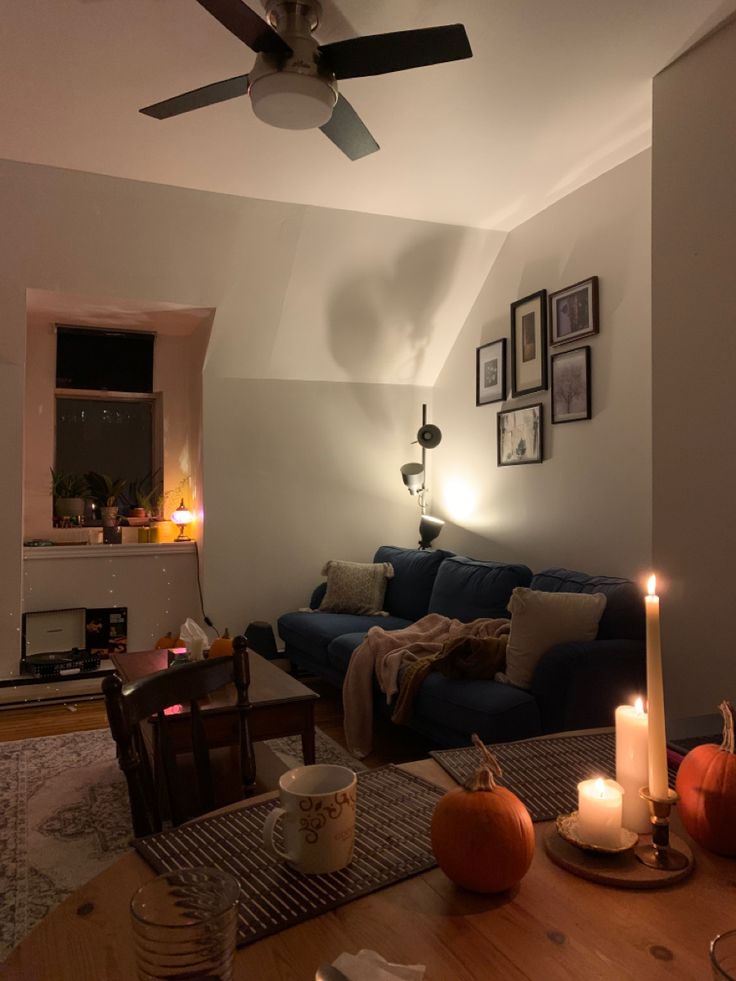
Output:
[[49, 631]]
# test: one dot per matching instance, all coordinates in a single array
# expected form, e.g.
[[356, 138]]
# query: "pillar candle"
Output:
[[599, 812], [632, 764], [658, 780]]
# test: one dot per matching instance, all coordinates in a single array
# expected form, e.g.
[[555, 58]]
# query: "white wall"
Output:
[[587, 506], [77, 233], [298, 473], [694, 348]]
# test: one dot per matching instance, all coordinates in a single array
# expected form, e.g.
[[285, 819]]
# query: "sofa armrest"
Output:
[[317, 596], [578, 686]]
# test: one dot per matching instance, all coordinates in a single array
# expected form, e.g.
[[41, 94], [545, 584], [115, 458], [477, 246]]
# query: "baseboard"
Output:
[[15, 694]]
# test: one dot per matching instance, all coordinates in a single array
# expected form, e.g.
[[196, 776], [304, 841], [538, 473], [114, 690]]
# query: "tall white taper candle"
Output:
[[658, 783]]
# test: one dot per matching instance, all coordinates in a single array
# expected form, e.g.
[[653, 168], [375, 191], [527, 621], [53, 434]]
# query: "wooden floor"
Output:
[[392, 744]]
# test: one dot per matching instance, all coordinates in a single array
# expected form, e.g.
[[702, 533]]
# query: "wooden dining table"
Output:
[[553, 926]]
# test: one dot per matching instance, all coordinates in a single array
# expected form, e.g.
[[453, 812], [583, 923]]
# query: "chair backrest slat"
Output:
[[156, 788]]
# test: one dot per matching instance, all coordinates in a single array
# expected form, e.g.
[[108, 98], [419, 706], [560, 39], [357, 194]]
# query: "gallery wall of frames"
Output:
[[545, 353]]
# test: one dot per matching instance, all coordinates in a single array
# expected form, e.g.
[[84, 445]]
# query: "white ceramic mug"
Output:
[[318, 808]]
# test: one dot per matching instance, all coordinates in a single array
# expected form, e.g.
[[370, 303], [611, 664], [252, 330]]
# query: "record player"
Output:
[[54, 643]]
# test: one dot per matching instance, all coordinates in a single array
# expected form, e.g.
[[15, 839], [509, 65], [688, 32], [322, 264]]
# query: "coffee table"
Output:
[[280, 705]]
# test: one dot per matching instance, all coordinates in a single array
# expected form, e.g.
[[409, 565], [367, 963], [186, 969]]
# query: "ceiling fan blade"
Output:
[[246, 25], [207, 95], [348, 131], [377, 54]]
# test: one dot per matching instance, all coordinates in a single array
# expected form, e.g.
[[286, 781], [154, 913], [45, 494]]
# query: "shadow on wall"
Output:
[[462, 541], [380, 324]]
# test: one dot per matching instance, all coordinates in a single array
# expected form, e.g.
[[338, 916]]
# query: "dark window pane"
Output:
[[107, 436], [104, 360]]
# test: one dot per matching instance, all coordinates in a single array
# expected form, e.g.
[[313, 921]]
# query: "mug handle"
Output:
[[269, 826]]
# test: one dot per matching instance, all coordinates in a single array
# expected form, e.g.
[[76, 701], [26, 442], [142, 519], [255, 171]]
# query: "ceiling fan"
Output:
[[293, 83]]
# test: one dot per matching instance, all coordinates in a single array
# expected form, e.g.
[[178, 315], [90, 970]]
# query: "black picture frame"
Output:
[[490, 372], [520, 435], [573, 312], [571, 395], [529, 344]]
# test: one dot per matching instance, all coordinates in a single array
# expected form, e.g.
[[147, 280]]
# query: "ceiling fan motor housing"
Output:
[[295, 92]]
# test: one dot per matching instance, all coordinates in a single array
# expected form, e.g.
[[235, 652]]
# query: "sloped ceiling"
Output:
[[555, 94]]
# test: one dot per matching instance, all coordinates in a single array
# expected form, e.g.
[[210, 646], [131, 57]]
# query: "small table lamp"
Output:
[[181, 518]]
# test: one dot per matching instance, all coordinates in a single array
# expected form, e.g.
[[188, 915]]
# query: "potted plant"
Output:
[[106, 490], [69, 492]]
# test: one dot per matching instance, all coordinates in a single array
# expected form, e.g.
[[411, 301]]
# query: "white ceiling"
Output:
[[556, 94]]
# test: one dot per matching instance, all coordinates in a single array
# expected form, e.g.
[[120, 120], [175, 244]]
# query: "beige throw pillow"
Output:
[[356, 587], [540, 620]]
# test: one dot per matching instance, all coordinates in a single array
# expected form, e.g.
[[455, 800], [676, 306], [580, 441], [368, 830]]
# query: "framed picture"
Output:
[[529, 344], [571, 385], [490, 372], [520, 435], [573, 312]]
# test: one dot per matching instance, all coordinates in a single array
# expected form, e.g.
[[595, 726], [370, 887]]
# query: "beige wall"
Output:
[[587, 506], [298, 473], [694, 349], [77, 233]]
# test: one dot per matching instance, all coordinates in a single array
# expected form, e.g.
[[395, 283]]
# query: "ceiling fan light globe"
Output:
[[291, 101]]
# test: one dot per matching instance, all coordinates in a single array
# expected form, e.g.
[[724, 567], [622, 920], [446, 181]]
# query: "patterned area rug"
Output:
[[66, 818]]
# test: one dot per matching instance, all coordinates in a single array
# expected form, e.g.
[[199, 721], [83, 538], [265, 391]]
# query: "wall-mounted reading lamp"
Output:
[[414, 475]]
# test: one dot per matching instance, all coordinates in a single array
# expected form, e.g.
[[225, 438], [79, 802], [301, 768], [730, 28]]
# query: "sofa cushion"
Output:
[[624, 614], [457, 708], [407, 594], [356, 587], [541, 620], [466, 589], [312, 632]]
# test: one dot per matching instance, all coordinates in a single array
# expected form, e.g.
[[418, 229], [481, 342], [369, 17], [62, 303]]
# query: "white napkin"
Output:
[[367, 965]]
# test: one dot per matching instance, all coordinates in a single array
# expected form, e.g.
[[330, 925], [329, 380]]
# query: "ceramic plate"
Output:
[[568, 828]]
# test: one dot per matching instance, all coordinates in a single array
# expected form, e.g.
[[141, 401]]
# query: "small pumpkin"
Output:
[[168, 641], [482, 834], [223, 646], [706, 783]]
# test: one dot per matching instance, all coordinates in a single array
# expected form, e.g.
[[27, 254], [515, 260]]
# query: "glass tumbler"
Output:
[[185, 925], [723, 956]]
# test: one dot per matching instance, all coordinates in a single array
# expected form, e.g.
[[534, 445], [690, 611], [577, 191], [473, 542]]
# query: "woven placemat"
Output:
[[544, 773], [394, 810]]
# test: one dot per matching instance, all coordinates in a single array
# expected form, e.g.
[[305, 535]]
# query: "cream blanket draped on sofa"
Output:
[[383, 652]]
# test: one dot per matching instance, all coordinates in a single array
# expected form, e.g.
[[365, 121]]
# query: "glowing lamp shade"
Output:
[[429, 529], [181, 518], [292, 101], [413, 476]]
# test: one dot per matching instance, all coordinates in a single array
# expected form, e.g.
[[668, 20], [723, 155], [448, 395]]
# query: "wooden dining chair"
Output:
[[158, 788]]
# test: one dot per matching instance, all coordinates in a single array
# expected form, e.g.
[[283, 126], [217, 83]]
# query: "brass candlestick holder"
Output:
[[660, 854]]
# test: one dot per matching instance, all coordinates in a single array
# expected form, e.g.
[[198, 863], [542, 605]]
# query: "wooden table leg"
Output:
[[308, 735]]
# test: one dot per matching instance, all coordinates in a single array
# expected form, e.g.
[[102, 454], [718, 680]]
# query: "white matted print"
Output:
[[490, 372], [529, 344], [571, 385], [520, 435]]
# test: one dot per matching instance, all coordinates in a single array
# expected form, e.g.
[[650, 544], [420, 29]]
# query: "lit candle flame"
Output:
[[639, 706], [600, 787], [652, 585]]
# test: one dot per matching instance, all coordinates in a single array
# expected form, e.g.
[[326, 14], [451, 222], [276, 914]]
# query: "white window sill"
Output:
[[106, 551]]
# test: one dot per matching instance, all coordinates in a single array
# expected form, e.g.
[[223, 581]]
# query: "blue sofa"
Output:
[[575, 686]]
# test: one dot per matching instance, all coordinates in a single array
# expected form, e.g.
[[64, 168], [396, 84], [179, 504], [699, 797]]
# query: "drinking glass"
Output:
[[185, 925], [723, 956]]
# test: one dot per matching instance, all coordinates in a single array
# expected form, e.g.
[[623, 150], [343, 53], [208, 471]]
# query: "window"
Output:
[[113, 432]]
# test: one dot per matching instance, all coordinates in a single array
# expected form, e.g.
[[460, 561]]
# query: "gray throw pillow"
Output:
[[356, 587]]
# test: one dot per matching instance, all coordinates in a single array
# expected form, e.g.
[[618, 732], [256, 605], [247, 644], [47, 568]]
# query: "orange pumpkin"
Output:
[[706, 783], [223, 646], [482, 834], [168, 641]]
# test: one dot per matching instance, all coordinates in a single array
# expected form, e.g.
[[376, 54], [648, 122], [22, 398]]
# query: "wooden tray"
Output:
[[622, 869]]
